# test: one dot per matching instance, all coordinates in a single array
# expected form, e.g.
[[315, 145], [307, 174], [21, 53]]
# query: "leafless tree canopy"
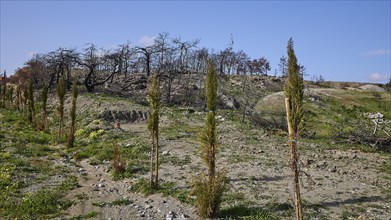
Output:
[[168, 56]]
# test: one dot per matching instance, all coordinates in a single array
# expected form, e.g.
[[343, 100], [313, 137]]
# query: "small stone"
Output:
[[333, 169], [100, 185], [321, 164], [361, 218], [164, 201], [148, 200], [82, 169], [166, 152], [148, 206], [183, 216], [339, 155], [171, 215]]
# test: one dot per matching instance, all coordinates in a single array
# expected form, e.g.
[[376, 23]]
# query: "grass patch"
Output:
[[175, 160], [38, 205], [166, 188], [233, 197], [386, 168], [245, 212], [71, 182], [91, 214], [179, 126], [25, 155]]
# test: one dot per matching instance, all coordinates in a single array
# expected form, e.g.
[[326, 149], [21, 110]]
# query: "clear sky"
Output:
[[340, 40]]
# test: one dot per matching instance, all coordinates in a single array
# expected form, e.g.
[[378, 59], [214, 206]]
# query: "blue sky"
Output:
[[340, 40]]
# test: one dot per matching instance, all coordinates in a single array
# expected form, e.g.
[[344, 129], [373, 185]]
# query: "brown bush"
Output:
[[119, 163]]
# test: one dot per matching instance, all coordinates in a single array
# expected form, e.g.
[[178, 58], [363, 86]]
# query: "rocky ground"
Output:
[[336, 183], [339, 181], [114, 200]]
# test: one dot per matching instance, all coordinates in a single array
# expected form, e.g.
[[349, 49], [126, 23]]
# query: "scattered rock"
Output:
[[361, 217], [183, 216], [321, 164], [373, 88], [333, 169], [171, 215], [166, 152], [228, 102], [374, 115], [310, 161]]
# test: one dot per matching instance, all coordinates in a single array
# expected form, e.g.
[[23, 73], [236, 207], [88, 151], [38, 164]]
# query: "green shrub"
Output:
[[209, 196], [41, 203]]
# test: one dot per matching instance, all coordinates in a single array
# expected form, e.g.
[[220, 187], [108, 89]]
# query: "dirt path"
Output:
[[112, 199]]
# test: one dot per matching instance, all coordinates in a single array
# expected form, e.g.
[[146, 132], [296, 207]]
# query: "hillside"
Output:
[[346, 170]]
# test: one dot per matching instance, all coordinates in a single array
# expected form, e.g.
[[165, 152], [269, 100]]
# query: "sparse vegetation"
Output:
[[45, 124], [119, 163], [4, 92], [340, 147], [153, 127], [31, 115], [61, 91], [208, 188], [72, 126]]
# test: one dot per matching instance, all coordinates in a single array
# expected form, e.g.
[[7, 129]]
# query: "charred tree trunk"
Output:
[[148, 60]]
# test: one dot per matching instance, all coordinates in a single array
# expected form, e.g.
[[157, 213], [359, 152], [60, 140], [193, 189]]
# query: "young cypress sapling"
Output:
[[72, 127], [4, 93], [11, 96], [60, 108], [1, 95], [294, 90], [209, 187], [26, 109], [18, 97], [31, 104], [45, 124], [153, 127]]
